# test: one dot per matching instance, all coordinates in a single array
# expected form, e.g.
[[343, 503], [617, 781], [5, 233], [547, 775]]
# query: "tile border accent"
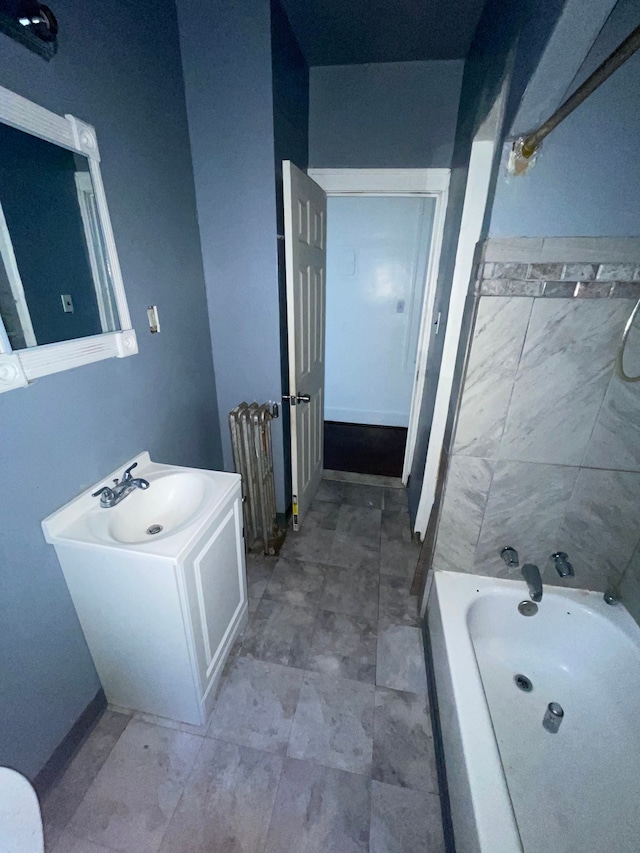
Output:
[[572, 280], [568, 250]]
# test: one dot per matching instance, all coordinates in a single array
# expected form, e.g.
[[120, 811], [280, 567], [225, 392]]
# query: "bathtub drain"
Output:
[[523, 683], [155, 528]]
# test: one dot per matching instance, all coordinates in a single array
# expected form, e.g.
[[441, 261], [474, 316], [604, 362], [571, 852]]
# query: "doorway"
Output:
[[378, 364], [378, 249]]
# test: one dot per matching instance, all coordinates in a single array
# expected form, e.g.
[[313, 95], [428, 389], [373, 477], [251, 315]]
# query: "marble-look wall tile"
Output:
[[526, 505], [615, 441], [616, 272], [630, 586], [600, 530], [562, 378], [579, 272], [465, 499], [499, 334]]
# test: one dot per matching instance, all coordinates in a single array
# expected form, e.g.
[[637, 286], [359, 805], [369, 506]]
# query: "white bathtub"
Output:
[[513, 786]]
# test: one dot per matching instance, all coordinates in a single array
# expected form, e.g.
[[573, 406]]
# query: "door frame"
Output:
[[423, 183]]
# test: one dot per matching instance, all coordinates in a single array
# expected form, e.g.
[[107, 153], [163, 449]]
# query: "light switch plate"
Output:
[[67, 303]]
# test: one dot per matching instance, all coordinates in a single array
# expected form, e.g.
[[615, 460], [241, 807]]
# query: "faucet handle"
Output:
[[510, 556], [562, 564], [127, 473], [107, 491]]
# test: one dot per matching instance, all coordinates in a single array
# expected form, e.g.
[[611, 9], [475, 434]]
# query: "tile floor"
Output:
[[320, 740]]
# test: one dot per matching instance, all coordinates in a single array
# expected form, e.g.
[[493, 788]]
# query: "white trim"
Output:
[[365, 417], [15, 283], [95, 250], [433, 183], [36, 361], [481, 161], [475, 202]]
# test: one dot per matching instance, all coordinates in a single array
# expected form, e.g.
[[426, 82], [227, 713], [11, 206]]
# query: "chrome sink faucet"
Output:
[[112, 495], [531, 574]]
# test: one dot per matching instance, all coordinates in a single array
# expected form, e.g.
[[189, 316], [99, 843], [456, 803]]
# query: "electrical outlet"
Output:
[[67, 303]]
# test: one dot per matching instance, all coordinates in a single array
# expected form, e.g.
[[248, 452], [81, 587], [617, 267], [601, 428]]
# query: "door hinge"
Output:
[[437, 322]]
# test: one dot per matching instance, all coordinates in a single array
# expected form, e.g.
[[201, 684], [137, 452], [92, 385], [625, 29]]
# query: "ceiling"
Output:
[[353, 32]]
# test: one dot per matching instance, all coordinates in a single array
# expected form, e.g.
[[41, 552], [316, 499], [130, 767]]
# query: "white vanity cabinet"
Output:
[[159, 613]]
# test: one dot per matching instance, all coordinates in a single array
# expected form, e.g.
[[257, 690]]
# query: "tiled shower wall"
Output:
[[546, 451]]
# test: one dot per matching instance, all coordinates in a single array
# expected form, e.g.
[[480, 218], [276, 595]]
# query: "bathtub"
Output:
[[514, 786]]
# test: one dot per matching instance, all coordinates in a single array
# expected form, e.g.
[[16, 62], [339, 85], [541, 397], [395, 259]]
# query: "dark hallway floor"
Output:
[[364, 449]]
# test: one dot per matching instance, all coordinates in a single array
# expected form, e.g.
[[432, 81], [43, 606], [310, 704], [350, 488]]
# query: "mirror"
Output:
[[55, 283], [62, 299]]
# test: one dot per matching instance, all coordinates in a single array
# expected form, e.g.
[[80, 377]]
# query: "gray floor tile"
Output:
[[365, 496], [333, 724], [341, 645], [400, 662], [399, 559], [227, 802], [404, 821], [68, 843], [276, 628], [322, 514], [330, 491], [352, 592], [361, 522], [64, 798], [259, 569], [320, 810], [131, 801], [256, 705], [349, 552], [395, 526], [397, 605], [356, 542], [402, 741], [313, 544], [296, 582], [395, 500]]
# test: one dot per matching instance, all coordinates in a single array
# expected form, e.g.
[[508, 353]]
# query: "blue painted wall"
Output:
[[586, 181], [226, 53], [398, 114], [66, 431]]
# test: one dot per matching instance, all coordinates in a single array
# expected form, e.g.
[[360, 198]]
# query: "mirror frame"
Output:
[[20, 367]]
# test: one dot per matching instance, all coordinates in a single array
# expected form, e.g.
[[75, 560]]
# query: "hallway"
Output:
[[320, 740]]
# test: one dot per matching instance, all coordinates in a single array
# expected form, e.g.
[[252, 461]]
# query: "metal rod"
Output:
[[619, 56]]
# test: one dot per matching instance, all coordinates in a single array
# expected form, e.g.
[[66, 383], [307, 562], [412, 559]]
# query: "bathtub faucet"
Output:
[[531, 574]]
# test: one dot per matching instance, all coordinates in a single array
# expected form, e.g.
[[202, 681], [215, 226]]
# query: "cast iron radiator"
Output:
[[250, 426]]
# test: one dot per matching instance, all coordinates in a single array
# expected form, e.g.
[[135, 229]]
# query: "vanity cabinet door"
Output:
[[216, 590]]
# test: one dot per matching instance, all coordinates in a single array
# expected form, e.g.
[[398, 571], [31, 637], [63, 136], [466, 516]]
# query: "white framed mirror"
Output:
[[62, 299]]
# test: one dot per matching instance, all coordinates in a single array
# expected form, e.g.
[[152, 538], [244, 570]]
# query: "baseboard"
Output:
[[445, 805], [67, 748]]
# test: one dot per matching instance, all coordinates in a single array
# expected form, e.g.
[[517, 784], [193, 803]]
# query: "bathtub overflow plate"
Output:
[[523, 682], [528, 608]]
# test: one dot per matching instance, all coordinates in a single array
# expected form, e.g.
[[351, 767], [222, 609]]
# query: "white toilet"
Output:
[[20, 818]]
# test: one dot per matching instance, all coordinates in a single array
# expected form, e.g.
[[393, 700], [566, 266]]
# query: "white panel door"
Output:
[[305, 221]]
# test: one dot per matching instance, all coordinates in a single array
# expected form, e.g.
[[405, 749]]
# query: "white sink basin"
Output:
[[170, 503], [158, 519]]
